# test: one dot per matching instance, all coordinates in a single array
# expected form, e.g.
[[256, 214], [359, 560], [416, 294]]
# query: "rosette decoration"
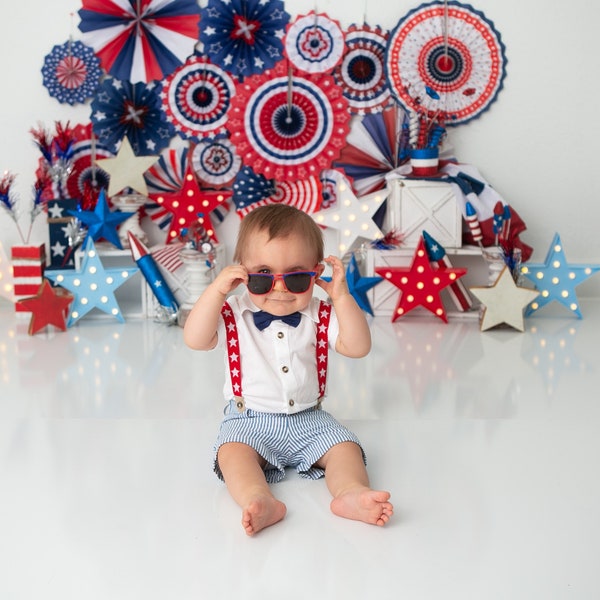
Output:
[[314, 43], [288, 125], [215, 162], [71, 72], [122, 109], [361, 72], [445, 60], [196, 98], [243, 36]]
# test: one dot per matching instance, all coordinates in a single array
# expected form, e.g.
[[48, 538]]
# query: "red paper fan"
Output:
[[288, 125]]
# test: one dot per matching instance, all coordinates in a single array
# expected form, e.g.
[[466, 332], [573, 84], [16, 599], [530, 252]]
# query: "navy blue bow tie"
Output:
[[263, 319]]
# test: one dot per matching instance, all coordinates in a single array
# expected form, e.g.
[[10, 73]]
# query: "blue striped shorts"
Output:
[[298, 440]]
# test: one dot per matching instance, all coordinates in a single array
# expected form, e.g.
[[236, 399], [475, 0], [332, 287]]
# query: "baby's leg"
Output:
[[242, 469], [348, 482]]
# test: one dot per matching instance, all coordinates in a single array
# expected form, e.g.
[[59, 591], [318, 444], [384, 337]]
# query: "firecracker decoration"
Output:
[[420, 284], [92, 285], [28, 263], [504, 302], [556, 279], [49, 306]]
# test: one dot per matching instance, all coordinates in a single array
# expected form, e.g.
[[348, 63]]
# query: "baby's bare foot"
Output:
[[261, 513], [364, 504]]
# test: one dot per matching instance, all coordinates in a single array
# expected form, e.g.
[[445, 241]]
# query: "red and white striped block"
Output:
[[28, 264]]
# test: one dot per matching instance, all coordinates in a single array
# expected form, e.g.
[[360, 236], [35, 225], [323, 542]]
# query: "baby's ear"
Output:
[[319, 269]]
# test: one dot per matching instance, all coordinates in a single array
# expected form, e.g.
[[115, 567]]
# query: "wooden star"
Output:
[[504, 302], [556, 279], [189, 205], [49, 306], [420, 284], [126, 169]]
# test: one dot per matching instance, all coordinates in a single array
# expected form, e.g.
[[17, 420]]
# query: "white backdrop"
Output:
[[536, 145]]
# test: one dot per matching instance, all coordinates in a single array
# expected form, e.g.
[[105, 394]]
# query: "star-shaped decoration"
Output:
[[191, 204], [126, 169], [49, 306], [359, 285], [504, 302], [102, 222], [420, 284], [352, 216], [556, 279], [92, 285]]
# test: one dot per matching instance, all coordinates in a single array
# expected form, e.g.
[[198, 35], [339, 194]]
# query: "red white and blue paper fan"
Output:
[[244, 36], [196, 98], [446, 59], [287, 125], [376, 145], [71, 72], [122, 109], [216, 162], [314, 43], [140, 40], [331, 179], [250, 187], [362, 70]]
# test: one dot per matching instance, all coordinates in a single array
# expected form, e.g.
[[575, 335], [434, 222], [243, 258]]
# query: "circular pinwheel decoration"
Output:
[[141, 40], [288, 125], [216, 163], [243, 36], [196, 98], [362, 70], [314, 43], [446, 59], [122, 109], [71, 72]]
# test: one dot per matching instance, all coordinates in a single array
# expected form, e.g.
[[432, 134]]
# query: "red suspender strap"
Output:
[[322, 346], [233, 355]]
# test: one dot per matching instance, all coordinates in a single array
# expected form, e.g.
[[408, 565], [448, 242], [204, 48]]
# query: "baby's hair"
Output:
[[279, 221]]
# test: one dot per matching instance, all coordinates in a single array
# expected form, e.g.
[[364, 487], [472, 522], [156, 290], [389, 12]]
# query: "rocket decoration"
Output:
[[556, 279], [152, 274], [420, 284]]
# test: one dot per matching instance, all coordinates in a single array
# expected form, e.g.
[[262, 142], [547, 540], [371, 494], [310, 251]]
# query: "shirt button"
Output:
[[291, 402], [280, 334], [285, 369]]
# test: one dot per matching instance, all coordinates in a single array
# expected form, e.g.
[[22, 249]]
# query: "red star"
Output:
[[420, 283], [50, 306], [190, 204]]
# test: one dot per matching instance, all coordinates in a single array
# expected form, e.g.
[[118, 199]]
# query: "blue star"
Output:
[[556, 279], [92, 285], [101, 222], [359, 286]]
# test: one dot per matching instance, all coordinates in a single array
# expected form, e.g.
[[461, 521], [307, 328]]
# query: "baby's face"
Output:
[[276, 256]]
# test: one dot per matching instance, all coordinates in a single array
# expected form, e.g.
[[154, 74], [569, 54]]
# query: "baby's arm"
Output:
[[200, 330], [354, 338]]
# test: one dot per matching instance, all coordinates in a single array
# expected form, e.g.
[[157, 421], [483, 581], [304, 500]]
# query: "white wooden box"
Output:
[[415, 205]]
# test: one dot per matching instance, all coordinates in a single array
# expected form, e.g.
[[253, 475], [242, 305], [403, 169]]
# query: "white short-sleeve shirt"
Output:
[[278, 364]]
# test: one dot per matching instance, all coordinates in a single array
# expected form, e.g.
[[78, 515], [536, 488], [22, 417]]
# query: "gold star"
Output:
[[504, 302], [126, 169]]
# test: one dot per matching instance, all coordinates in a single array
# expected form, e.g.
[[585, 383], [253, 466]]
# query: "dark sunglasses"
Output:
[[296, 282]]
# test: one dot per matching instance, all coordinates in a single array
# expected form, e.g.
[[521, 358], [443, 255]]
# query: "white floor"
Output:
[[489, 443]]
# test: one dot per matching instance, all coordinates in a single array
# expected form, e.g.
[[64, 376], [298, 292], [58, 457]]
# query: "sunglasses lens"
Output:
[[297, 283], [259, 283]]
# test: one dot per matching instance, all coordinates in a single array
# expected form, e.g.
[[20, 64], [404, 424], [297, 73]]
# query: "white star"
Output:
[[58, 249], [55, 211]]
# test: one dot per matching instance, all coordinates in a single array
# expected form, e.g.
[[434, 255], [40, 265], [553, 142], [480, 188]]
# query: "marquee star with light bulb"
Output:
[[420, 284], [92, 285], [190, 204], [352, 216], [556, 279]]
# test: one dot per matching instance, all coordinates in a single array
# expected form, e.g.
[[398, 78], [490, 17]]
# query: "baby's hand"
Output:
[[337, 287], [229, 278]]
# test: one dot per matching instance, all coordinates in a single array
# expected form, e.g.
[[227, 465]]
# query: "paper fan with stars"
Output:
[[288, 125], [447, 59], [362, 70], [216, 162], [314, 43], [196, 98], [71, 72], [243, 36], [122, 109]]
